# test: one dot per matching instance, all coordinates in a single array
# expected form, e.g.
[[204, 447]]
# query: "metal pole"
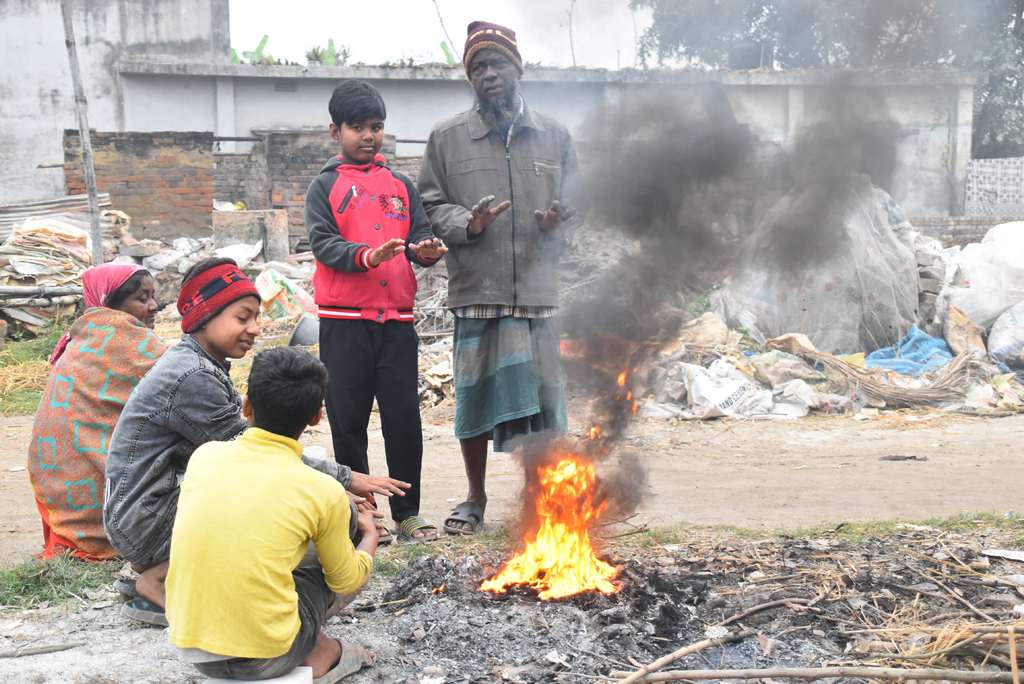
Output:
[[83, 134]]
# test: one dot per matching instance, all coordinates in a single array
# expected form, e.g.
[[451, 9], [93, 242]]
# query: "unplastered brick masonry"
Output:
[[167, 181], [163, 180]]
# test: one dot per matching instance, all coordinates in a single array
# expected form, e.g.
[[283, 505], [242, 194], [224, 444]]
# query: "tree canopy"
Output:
[[976, 35]]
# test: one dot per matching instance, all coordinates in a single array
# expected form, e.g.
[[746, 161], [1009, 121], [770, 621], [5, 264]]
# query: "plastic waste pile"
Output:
[[858, 292], [711, 371]]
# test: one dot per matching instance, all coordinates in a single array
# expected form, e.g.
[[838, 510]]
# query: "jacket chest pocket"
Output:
[[545, 175], [470, 180]]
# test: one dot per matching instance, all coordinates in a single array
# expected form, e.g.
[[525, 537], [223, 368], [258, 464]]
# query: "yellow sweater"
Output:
[[246, 512]]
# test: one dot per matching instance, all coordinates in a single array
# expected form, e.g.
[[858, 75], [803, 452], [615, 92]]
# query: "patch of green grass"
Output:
[[58, 580], [20, 403], [21, 349], [390, 560]]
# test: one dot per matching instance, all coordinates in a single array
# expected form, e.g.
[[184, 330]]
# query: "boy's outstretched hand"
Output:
[[428, 249], [554, 217], [388, 251], [368, 485], [484, 216]]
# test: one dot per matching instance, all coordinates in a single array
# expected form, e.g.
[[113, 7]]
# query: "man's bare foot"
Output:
[[151, 583]]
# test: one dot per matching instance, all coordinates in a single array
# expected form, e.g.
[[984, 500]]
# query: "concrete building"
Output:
[[36, 95], [163, 65]]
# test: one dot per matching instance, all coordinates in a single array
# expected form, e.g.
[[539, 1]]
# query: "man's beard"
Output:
[[501, 112]]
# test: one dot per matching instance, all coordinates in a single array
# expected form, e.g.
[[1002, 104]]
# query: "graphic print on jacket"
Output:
[[350, 211]]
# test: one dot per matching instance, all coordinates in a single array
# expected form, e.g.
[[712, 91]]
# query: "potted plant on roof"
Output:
[[315, 56], [334, 56]]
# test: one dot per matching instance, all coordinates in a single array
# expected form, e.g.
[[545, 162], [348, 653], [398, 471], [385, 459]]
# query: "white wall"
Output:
[[36, 95]]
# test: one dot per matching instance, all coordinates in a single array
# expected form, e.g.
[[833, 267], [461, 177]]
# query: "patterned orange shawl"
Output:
[[108, 353]]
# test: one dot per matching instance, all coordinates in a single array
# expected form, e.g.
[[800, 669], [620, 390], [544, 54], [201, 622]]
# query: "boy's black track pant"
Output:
[[366, 359]]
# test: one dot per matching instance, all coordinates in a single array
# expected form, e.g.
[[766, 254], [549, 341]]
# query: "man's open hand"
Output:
[[368, 485], [428, 249], [554, 217], [388, 251], [483, 215]]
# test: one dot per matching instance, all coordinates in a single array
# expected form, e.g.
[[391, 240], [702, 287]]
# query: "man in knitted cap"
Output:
[[497, 182]]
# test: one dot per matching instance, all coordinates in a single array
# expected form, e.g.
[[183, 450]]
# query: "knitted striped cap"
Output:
[[483, 35]]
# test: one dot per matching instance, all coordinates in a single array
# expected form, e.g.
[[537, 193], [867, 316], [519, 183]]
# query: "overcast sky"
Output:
[[390, 30]]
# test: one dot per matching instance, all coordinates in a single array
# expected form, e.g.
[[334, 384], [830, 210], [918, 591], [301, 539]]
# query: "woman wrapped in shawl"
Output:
[[95, 367]]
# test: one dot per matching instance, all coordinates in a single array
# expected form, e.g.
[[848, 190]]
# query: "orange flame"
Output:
[[559, 560], [622, 379], [595, 433], [438, 590]]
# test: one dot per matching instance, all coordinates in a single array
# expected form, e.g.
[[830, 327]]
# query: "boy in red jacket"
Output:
[[360, 215]]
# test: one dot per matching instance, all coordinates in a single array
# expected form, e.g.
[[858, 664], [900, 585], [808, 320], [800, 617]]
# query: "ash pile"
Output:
[[908, 598]]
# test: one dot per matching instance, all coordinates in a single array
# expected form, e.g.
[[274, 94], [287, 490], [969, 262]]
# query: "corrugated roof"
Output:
[[75, 209]]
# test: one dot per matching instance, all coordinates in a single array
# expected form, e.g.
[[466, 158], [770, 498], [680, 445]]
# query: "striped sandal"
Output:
[[413, 523]]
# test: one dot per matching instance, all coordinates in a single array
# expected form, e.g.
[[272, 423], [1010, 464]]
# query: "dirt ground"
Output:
[[781, 474], [752, 474]]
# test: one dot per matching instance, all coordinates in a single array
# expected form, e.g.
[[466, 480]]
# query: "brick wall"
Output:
[[409, 164], [290, 161], [960, 229], [230, 176], [163, 180]]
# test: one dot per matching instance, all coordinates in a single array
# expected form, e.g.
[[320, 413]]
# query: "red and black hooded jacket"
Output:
[[350, 211]]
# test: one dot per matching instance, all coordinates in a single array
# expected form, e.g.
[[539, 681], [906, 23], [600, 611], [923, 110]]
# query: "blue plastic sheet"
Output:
[[915, 354]]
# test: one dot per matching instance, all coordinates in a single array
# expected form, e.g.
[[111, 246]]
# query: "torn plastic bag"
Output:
[[1006, 338], [916, 353]]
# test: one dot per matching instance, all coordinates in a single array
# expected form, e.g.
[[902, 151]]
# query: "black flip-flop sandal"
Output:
[[385, 537], [126, 586], [146, 611], [464, 513]]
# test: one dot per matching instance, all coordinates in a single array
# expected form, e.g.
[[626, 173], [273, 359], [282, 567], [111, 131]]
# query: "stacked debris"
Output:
[[773, 608], [49, 255], [709, 371]]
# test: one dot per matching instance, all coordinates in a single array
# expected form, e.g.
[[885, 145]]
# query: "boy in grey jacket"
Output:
[[186, 400]]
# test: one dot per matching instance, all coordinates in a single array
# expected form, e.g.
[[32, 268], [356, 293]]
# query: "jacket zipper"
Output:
[[346, 200], [512, 199]]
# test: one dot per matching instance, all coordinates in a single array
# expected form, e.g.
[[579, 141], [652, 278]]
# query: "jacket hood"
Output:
[[334, 162]]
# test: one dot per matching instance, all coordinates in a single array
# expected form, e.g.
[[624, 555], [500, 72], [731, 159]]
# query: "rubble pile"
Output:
[[910, 599]]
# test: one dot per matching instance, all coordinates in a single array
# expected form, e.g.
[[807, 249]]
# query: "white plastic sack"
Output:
[[158, 262], [993, 271], [722, 390], [1006, 338]]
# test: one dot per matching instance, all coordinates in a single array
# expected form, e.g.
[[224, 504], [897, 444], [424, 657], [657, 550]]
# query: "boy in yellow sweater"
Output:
[[246, 592]]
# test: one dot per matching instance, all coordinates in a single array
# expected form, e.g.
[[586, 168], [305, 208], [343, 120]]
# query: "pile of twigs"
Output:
[[950, 384]]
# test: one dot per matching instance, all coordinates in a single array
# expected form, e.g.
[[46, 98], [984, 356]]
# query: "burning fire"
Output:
[[559, 560]]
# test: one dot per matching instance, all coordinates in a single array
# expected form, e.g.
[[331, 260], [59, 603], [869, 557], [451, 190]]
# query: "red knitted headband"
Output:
[[206, 294]]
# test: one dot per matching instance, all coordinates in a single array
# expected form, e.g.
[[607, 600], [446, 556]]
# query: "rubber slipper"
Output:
[[353, 659], [146, 611], [126, 586], [413, 523], [465, 512], [385, 537]]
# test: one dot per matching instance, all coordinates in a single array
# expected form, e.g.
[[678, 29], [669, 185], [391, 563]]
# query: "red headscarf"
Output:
[[97, 283]]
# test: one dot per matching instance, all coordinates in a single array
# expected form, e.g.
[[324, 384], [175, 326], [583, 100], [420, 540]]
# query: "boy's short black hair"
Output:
[[287, 386], [129, 287], [205, 265], [354, 102]]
